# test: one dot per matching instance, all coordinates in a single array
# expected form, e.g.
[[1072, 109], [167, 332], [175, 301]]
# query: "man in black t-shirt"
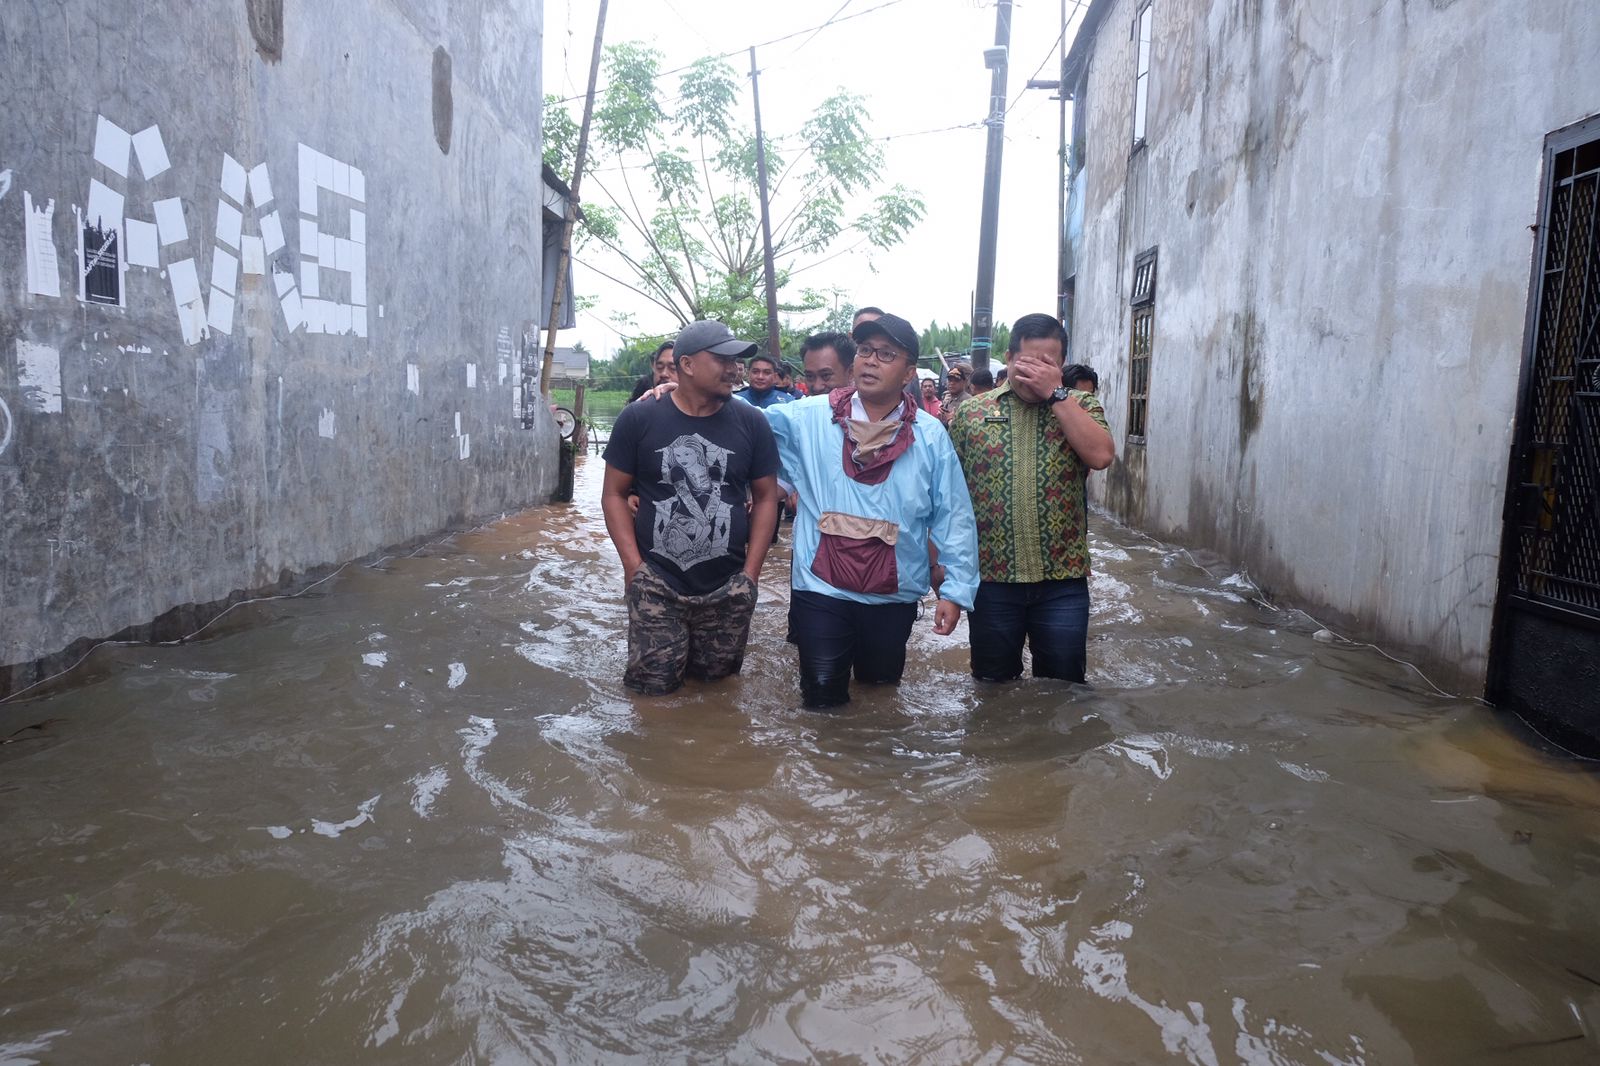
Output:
[[691, 554]]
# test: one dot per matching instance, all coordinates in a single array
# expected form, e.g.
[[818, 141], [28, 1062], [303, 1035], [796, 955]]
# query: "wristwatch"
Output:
[[1059, 394]]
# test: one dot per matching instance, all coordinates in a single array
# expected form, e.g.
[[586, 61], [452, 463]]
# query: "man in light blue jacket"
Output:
[[878, 482]]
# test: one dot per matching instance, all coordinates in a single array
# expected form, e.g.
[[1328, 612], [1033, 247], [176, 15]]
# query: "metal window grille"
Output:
[[1557, 498], [1144, 279], [1139, 371]]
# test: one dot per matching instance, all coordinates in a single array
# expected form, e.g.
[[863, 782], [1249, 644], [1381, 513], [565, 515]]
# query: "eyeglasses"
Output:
[[877, 355]]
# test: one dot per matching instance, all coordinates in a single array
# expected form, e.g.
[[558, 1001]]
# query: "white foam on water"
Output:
[[376, 658], [1304, 773], [458, 674], [426, 787], [333, 829], [1105, 973]]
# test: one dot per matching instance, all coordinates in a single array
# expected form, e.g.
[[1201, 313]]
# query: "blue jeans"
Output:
[[1052, 616], [835, 635]]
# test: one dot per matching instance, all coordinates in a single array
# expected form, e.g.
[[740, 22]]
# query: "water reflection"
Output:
[[414, 818]]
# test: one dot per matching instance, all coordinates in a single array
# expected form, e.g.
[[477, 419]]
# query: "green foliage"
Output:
[[953, 339], [672, 203]]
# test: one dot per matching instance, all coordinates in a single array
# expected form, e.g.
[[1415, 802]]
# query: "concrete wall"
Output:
[[1342, 196], [212, 430]]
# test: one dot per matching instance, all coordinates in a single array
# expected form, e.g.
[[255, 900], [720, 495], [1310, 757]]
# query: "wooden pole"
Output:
[[571, 219], [773, 343]]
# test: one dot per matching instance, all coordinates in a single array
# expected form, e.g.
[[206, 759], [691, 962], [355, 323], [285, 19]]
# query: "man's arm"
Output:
[[954, 531], [763, 520], [1085, 435], [619, 519]]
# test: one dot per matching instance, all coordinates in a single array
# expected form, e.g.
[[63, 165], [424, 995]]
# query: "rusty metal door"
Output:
[[1545, 659]]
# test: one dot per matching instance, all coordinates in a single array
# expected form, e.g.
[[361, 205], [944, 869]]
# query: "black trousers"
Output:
[[837, 635]]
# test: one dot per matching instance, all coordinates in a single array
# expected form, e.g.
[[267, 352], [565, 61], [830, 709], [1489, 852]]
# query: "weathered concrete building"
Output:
[[1316, 249], [268, 271]]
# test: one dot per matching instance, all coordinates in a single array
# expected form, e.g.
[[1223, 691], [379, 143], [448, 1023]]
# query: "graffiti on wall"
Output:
[[321, 288]]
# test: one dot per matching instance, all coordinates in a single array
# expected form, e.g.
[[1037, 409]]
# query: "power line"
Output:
[[818, 30], [761, 44], [1055, 44]]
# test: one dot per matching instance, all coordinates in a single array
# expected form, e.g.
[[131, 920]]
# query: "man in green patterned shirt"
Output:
[[1026, 448]]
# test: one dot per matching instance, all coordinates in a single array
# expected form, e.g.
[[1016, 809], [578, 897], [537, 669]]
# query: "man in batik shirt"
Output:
[[1026, 448]]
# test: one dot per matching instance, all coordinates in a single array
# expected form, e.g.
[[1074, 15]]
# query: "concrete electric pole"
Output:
[[983, 304], [773, 343]]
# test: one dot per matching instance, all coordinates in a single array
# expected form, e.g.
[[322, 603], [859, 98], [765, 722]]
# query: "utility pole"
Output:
[[565, 258], [983, 302], [773, 343]]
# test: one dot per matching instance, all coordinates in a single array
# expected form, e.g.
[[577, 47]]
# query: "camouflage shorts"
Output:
[[671, 635]]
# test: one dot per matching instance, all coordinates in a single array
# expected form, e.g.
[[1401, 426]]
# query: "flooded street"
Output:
[[412, 817]]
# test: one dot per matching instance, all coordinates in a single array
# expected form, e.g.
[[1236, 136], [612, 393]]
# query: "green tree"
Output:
[[953, 339], [678, 218]]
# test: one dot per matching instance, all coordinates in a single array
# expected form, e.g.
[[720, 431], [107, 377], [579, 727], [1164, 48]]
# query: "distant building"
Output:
[[569, 366], [1338, 268]]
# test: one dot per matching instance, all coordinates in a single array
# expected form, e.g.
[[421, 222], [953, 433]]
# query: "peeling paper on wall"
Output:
[[325, 424], [233, 178], [111, 144], [260, 186], [169, 220], [144, 244], [413, 379], [44, 267], [185, 282], [39, 377], [151, 151]]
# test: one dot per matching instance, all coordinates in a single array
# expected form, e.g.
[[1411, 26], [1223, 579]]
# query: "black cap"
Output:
[[895, 328], [713, 337]]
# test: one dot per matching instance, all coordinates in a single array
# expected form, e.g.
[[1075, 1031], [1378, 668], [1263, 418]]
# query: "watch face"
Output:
[[1059, 394]]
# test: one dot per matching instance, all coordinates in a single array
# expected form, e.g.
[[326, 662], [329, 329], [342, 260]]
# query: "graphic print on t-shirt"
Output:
[[693, 526]]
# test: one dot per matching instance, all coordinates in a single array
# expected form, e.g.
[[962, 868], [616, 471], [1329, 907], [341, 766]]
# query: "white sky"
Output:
[[919, 64]]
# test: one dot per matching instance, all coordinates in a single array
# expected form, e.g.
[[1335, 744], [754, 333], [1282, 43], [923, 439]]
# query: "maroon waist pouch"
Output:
[[857, 554]]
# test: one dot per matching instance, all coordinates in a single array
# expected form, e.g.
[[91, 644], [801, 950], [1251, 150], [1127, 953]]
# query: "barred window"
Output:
[[1141, 334]]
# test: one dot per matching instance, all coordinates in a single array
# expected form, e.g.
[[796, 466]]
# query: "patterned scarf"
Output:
[[870, 448]]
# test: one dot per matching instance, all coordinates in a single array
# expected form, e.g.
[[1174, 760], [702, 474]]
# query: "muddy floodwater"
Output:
[[412, 817]]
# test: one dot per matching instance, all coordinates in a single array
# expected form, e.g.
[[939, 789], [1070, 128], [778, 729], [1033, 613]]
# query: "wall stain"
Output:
[[443, 105], [1250, 384], [266, 26]]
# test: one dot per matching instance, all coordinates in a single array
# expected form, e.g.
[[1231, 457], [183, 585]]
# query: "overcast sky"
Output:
[[919, 64]]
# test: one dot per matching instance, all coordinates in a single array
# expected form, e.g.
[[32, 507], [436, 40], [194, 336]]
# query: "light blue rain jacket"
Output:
[[925, 494]]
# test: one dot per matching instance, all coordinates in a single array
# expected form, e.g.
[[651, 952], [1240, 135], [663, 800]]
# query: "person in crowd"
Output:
[[980, 382], [786, 381], [930, 397], [692, 553], [870, 314], [763, 390], [999, 377], [827, 358], [1026, 448], [877, 483], [1081, 377], [957, 382], [662, 368]]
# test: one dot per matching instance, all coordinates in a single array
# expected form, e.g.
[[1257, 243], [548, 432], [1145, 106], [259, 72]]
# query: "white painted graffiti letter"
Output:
[[322, 252]]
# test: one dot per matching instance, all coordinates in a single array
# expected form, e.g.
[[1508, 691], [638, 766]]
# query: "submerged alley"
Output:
[[411, 816]]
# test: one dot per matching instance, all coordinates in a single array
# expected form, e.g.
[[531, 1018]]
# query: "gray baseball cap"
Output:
[[713, 337]]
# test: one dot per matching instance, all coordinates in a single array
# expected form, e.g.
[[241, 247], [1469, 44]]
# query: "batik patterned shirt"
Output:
[[1027, 486]]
